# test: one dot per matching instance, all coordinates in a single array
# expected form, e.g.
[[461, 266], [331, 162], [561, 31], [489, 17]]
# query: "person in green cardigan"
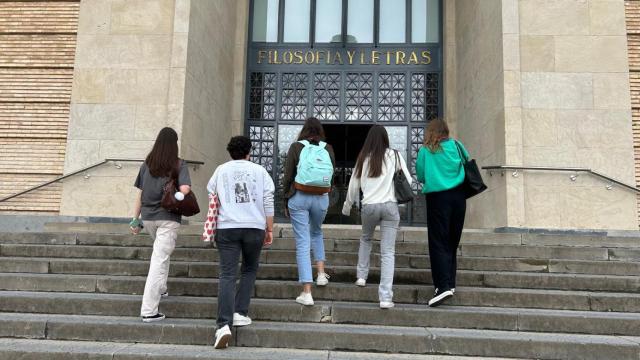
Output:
[[440, 168]]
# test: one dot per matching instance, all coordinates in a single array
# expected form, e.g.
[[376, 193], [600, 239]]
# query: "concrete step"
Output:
[[463, 317], [389, 339], [341, 253], [282, 289], [12, 349], [284, 257], [345, 274], [623, 247], [410, 234]]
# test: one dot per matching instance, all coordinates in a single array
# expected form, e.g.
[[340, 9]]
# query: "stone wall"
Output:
[[568, 105], [128, 84], [480, 101], [143, 65], [214, 84]]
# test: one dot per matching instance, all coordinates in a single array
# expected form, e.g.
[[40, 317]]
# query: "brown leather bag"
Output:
[[187, 207]]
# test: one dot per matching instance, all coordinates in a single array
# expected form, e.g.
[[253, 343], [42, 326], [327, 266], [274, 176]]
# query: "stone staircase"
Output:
[[74, 293]]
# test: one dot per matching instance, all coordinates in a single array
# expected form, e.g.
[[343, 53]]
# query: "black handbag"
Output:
[[473, 184], [402, 188]]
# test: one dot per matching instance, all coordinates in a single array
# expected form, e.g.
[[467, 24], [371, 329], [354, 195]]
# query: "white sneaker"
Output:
[[164, 294], [323, 279], [223, 337], [241, 320], [453, 290], [361, 282], [386, 304], [305, 299]]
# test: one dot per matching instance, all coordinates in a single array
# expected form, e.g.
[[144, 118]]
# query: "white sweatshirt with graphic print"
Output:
[[245, 190]]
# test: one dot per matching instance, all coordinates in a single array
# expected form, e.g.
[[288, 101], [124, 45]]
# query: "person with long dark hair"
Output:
[[161, 164], [373, 174], [440, 168], [307, 200]]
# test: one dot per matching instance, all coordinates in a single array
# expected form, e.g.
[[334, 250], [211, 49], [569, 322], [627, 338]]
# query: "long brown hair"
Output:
[[312, 130], [164, 156], [437, 130], [375, 147]]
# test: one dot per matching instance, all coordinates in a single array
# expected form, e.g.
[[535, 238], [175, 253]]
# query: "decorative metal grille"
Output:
[[279, 102], [391, 96], [417, 138], [262, 139], [419, 204], [424, 96], [326, 96], [262, 96], [294, 96], [359, 96]]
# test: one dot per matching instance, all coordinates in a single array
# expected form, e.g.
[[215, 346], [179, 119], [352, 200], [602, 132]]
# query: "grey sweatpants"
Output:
[[388, 217]]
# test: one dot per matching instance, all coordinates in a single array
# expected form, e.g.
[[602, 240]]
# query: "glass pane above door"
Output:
[[328, 21], [297, 17], [425, 21], [360, 21], [265, 20], [393, 21]]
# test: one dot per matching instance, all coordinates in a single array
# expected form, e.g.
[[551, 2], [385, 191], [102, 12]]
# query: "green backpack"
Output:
[[314, 167]]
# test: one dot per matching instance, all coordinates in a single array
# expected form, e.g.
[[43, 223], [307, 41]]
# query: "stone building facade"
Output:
[[521, 82]]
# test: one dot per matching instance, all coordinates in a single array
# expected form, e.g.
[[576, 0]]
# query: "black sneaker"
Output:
[[439, 297], [152, 318]]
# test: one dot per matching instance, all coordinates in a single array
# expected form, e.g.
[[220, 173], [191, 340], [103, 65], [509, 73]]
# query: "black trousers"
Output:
[[445, 220], [231, 243]]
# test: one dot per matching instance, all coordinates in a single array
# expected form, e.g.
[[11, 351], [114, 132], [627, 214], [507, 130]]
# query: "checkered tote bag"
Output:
[[211, 222]]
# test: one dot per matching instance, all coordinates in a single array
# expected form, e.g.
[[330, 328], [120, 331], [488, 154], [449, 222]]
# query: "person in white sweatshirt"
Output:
[[245, 223], [373, 174]]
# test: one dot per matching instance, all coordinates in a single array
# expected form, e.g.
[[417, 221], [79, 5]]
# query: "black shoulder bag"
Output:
[[401, 185], [473, 184]]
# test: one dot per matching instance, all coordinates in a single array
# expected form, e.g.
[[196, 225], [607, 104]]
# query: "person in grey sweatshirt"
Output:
[[245, 223]]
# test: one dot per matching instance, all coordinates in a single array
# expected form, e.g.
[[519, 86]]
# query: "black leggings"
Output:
[[445, 220]]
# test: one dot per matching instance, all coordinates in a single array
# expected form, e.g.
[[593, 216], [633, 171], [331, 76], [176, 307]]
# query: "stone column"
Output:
[[129, 77], [143, 65], [546, 83], [214, 87], [480, 100]]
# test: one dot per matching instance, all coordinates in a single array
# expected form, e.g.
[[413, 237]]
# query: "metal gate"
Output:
[[398, 86]]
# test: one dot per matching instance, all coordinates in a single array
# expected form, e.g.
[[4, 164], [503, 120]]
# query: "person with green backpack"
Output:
[[308, 176]]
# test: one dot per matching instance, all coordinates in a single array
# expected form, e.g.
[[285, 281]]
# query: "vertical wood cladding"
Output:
[[37, 48], [633, 36]]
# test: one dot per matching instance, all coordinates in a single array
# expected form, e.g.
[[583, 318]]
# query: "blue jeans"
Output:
[[307, 214]]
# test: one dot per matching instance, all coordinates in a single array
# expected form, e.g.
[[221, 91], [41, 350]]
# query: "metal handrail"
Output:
[[563, 169], [190, 162]]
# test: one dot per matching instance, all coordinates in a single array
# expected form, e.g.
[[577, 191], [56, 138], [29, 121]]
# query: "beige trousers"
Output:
[[164, 234]]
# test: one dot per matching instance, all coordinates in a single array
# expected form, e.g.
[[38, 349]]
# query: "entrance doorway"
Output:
[[350, 64], [346, 141]]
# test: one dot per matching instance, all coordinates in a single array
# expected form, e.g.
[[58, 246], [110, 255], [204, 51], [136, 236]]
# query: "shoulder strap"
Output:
[[397, 159], [463, 159], [322, 144], [304, 142], [176, 170]]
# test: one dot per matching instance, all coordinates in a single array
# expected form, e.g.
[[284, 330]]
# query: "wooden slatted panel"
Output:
[[35, 85], [45, 200], [35, 119], [39, 17], [634, 52], [37, 49], [633, 36], [41, 156]]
